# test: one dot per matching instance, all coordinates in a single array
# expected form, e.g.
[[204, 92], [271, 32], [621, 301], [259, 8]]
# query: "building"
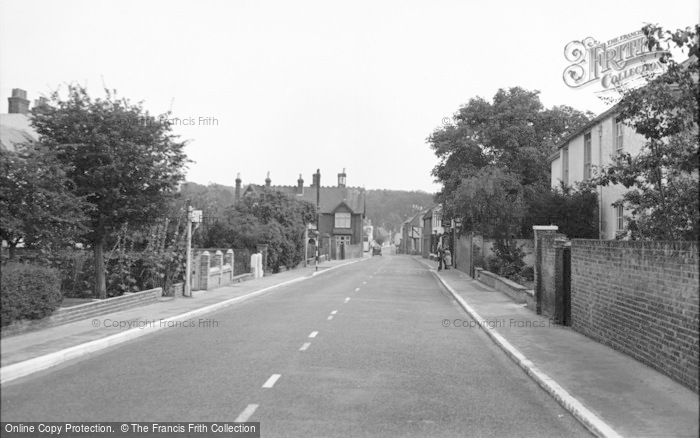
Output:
[[341, 211], [432, 230], [596, 144], [15, 126], [412, 233]]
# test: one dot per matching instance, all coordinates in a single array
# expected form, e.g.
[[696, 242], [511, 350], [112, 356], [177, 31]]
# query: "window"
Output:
[[342, 220], [620, 217], [587, 156], [565, 165], [619, 135]]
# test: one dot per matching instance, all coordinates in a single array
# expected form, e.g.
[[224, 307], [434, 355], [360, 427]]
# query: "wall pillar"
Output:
[[219, 263], [262, 249], [539, 231], [205, 259]]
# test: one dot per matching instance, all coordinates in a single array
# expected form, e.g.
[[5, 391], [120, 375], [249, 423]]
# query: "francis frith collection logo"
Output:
[[618, 62]]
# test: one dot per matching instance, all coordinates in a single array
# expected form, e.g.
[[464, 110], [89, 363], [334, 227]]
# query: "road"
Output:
[[358, 352]]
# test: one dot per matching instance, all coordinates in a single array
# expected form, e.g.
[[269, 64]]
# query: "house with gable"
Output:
[[341, 211]]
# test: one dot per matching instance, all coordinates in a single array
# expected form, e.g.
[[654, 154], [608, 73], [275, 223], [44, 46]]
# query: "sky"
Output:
[[288, 87]]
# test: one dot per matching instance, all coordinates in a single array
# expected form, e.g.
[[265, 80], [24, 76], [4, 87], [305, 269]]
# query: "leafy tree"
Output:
[[573, 209], [514, 132], [270, 217], [490, 202], [122, 161], [663, 178], [36, 199]]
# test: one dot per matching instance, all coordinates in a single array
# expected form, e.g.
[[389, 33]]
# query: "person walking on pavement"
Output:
[[447, 258], [440, 254]]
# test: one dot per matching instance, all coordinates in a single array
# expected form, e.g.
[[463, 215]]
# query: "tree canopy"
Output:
[[38, 206], [123, 162], [270, 217], [513, 132]]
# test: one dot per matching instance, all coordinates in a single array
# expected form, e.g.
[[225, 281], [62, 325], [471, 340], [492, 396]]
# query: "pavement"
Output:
[[35, 351], [610, 392]]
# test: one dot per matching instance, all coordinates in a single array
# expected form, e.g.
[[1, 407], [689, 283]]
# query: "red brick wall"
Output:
[[640, 298]]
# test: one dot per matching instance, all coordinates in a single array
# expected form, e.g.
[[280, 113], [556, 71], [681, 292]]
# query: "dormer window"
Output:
[[342, 220]]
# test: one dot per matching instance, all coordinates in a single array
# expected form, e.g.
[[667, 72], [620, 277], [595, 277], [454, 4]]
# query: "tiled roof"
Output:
[[331, 197]]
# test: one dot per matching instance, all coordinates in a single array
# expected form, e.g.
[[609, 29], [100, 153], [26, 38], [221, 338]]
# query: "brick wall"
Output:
[[640, 298]]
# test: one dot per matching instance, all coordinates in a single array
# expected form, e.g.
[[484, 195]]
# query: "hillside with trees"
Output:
[[390, 208]]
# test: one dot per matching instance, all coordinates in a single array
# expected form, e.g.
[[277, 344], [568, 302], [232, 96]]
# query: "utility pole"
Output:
[[188, 253], [318, 214]]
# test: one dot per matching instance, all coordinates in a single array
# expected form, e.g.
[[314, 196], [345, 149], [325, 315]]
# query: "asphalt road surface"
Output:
[[358, 352]]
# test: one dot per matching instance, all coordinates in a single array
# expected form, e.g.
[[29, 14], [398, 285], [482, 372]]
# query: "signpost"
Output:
[[196, 217]]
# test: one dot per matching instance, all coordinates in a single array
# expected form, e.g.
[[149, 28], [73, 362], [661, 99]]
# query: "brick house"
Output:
[[342, 210]]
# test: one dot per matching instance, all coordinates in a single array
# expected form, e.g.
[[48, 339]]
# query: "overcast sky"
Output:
[[301, 85]]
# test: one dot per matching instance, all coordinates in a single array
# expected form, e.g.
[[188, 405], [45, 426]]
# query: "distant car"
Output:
[[376, 250]]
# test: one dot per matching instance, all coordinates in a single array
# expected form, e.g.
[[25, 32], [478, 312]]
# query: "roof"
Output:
[[417, 219], [331, 197], [609, 112], [431, 210], [16, 129]]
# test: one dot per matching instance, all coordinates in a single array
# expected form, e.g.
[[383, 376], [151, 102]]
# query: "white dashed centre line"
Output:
[[330, 317], [313, 334], [334, 312], [305, 346], [271, 381], [357, 290], [247, 412], [347, 299]]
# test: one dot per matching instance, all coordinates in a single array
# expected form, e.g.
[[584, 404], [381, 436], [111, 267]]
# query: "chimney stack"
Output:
[[41, 101], [268, 180], [18, 103], [342, 177], [300, 185], [237, 195]]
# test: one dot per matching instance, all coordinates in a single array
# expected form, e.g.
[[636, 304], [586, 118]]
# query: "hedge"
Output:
[[28, 292]]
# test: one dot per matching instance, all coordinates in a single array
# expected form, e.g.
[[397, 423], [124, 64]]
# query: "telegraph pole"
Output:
[[188, 253], [318, 214]]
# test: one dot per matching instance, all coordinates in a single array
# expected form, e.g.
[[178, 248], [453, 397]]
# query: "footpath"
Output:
[[608, 391], [27, 353]]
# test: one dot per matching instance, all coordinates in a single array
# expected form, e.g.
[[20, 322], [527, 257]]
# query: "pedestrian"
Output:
[[447, 258], [439, 256]]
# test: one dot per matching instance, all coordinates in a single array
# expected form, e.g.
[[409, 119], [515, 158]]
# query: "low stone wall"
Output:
[[66, 315], [518, 293]]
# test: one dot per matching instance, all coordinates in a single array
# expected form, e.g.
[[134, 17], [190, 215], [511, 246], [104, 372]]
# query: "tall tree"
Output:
[[663, 178], [123, 161], [514, 132]]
